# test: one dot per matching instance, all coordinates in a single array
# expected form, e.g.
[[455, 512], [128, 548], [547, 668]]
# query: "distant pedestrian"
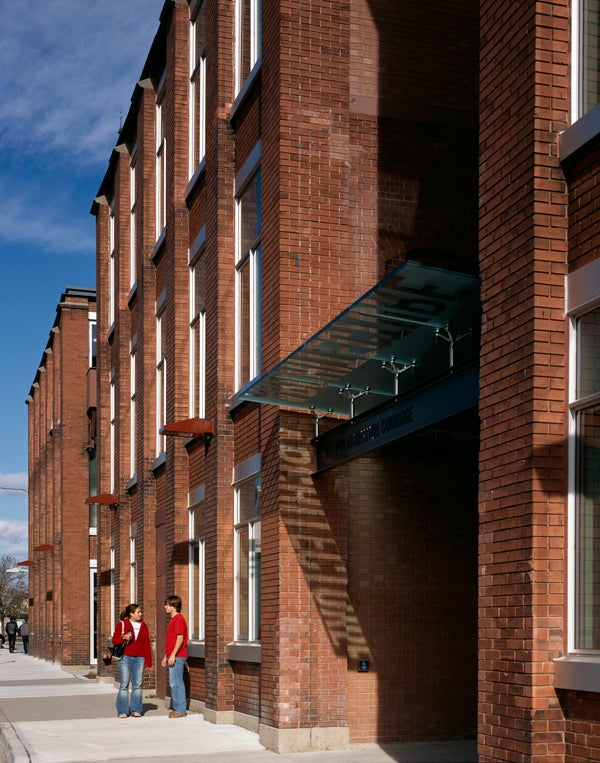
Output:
[[176, 655], [12, 630], [132, 631], [24, 633]]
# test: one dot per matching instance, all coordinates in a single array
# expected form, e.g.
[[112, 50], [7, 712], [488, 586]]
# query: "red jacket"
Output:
[[139, 647]]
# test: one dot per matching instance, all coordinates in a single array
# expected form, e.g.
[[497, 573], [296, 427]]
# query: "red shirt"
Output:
[[177, 627], [139, 647]]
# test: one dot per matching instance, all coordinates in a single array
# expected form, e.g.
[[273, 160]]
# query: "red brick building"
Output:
[[62, 532], [348, 296]]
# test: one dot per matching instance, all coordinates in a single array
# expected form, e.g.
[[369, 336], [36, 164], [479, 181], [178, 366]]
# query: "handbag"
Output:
[[118, 650]]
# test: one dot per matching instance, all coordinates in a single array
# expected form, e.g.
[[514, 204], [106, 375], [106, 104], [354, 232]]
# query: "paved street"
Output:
[[49, 715]]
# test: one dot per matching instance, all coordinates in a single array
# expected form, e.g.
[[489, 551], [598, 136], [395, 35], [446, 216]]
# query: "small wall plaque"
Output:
[[363, 666]]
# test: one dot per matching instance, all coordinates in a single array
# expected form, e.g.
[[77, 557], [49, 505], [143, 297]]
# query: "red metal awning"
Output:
[[104, 499], [190, 428], [26, 563], [44, 547]]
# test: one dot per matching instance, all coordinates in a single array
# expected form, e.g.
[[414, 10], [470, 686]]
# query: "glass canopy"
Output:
[[414, 327]]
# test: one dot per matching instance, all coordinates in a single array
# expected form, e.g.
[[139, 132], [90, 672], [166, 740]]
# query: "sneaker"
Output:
[[136, 715], [122, 715], [175, 714]]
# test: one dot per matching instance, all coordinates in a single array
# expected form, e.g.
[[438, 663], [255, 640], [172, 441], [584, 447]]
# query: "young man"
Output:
[[176, 655]]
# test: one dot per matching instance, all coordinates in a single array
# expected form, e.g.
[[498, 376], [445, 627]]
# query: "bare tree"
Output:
[[13, 588]]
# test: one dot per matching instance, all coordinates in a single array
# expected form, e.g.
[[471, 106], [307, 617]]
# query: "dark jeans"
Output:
[[11, 642], [25, 644]]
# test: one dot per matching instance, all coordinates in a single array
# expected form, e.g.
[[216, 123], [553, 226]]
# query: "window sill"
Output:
[[195, 179], [245, 90], [577, 672], [196, 649], [579, 134], [158, 461], [131, 482], [244, 652], [157, 248]]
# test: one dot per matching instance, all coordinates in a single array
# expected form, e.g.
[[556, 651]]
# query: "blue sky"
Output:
[[69, 68]]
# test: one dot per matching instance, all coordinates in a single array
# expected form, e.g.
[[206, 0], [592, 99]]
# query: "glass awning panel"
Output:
[[416, 325]]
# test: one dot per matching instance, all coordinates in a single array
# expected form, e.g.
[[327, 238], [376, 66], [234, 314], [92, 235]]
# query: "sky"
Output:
[[68, 71]]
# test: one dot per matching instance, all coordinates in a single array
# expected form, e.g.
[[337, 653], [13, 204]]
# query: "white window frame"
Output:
[[112, 289], [132, 409], [93, 628], [92, 341], [247, 472], [254, 41], [161, 378], [247, 260], [132, 219], [578, 31], [113, 598], [579, 669], [197, 333], [197, 94], [133, 582], [197, 578], [113, 437], [161, 159]]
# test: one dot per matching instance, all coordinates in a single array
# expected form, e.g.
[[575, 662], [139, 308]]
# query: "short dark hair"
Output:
[[174, 601]]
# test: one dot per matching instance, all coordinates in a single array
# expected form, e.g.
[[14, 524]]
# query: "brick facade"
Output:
[[437, 563], [60, 543]]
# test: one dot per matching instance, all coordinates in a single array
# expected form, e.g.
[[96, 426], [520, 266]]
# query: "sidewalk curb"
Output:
[[12, 745]]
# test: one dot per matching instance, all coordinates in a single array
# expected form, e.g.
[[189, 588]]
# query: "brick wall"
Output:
[[524, 84]]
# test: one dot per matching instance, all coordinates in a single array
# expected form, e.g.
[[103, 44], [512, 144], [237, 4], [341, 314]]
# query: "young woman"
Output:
[[132, 631]]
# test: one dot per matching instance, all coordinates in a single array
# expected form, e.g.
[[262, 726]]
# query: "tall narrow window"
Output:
[[132, 565], [248, 273], [197, 87], [92, 343], [247, 559], [132, 411], [161, 380], [196, 569], [161, 160], [198, 337], [113, 556], [113, 436], [132, 220], [586, 56], [585, 426], [248, 39], [112, 289]]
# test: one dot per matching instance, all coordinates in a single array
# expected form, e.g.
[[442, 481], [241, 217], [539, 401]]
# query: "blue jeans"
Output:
[[178, 700], [131, 670]]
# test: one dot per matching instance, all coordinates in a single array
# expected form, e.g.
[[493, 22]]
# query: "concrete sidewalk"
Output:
[[49, 715]]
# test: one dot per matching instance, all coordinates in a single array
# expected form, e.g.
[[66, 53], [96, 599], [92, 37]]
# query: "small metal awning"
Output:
[[414, 327], [103, 499]]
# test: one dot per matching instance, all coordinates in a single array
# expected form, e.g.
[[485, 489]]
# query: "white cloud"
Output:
[[68, 70], [13, 539], [18, 481]]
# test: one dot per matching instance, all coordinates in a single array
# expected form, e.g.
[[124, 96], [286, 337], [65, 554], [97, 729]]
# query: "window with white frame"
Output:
[[248, 22], [197, 85], [247, 558], [132, 219], [198, 335], [113, 436], [132, 564], [196, 573], [247, 279], [584, 472], [585, 50], [92, 343], [161, 379], [161, 160], [113, 556], [112, 289], [132, 410]]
